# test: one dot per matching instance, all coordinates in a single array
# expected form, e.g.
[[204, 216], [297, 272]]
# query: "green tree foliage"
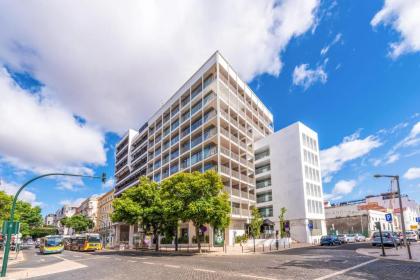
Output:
[[283, 211], [195, 197], [38, 232], [206, 203], [255, 225], [141, 204], [79, 223], [28, 216]]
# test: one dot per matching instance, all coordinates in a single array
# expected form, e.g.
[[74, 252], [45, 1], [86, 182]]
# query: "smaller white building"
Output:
[[287, 172], [65, 211], [89, 208], [357, 217], [50, 220]]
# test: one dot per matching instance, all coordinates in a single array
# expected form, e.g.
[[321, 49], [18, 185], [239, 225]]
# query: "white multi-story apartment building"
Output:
[[89, 208], [50, 220], [287, 171], [65, 211], [211, 122]]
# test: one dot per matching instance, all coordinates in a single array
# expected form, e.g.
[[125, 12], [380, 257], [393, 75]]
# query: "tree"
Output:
[[255, 225], [28, 216], [79, 223], [205, 202], [283, 211], [141, 204], [43, 231]]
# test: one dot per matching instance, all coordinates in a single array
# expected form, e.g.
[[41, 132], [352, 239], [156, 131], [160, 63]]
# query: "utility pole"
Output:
[[397, 178]]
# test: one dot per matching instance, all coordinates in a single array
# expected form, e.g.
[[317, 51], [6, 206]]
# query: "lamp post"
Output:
[[12, 211], [397, 178]]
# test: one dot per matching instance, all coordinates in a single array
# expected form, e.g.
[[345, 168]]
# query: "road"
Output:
[[341, 262]]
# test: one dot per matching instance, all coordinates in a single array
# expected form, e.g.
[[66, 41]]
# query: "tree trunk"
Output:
[[176, 237], [254, 243], [198, 238], [156, 240]]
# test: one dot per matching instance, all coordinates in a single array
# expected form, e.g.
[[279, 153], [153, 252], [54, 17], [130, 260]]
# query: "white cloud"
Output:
[[11, 189], [351, 148], [392, 158], [413, 139], [403, 16], [75, 202], [340, 189], [305, 77], [38, 134], [412, 173], [115, 63], [337, 39]]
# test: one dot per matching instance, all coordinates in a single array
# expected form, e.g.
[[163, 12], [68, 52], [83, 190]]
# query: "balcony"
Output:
[[236, 211]]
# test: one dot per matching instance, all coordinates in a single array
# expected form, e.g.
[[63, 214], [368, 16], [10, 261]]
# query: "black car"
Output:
[[330, 240]]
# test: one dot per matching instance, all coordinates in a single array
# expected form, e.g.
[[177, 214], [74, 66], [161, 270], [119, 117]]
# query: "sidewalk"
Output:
[[12, 258], [392, 253]]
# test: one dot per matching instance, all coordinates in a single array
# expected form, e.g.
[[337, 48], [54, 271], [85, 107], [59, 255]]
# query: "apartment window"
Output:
[[264, 197], [175, 124], [208, 80], [266, 211], [262, 154], [156, 178], [262, 169], [174, 168], [263, 183], [174, 111], [196, 107], [174, 154], [185, 116], [175, 139], [196, 91]]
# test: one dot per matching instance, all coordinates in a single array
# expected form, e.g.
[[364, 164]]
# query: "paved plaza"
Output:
[[341, 262]]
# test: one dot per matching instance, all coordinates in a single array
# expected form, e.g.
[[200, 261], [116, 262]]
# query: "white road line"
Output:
[[257, 277], [140, 258], [133, 261], [148, 263], [345, 270], [204, 270], [170, 265]]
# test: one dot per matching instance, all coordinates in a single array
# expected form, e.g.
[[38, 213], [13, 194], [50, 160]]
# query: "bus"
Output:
[[85, 242], [51, 244]]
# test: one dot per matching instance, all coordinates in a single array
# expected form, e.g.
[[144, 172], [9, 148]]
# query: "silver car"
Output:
[[389, 238], [359, 237]]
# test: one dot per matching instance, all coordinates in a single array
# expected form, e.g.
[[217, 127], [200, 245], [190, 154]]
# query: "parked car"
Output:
[[342, 238], [359, 237], [350, 238], [411, 235], [389, 239], [330, 240]]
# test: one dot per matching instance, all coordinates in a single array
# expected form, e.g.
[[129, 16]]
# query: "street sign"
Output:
[[311, 226], [418, 220], [388, 217], [14, 228]]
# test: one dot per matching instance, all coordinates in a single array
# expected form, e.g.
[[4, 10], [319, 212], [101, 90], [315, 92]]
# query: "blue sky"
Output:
[[347, 69]]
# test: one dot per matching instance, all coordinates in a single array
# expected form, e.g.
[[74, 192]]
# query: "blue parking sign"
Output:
[[388, 217], [418, 219]]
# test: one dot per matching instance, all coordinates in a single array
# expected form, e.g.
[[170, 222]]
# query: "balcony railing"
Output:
[[236, 211]]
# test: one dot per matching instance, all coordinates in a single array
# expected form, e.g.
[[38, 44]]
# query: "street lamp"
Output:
[[397, 178], [12, 212]]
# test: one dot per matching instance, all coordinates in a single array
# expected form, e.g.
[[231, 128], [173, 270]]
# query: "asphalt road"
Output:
[[340, 262]]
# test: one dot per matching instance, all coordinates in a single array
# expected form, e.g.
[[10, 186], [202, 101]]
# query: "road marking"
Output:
[[346, 270], [257, 277], [133, 261], [170, 265], [204, 270], [141, 258], [148, 263]]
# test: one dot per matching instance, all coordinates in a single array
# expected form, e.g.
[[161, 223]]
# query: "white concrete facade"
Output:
[[288, 175], [211, 122], [65, 211]]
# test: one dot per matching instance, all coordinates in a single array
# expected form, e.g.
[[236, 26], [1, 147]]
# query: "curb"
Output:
[[360, 252]]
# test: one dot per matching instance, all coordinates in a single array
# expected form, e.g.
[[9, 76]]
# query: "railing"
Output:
[[244, 194], [227, 189], [235, 192], [262, 155], [262, 169], [245, 212], [263, 184], [252, 196], [236, 211]]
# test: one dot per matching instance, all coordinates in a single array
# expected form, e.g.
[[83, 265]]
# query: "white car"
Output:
[[350, 238], [360, 237], [411, 235]]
